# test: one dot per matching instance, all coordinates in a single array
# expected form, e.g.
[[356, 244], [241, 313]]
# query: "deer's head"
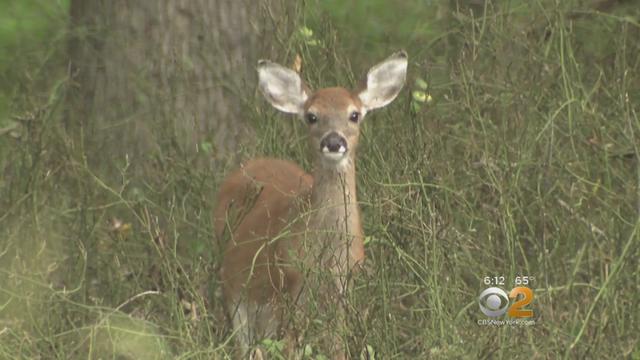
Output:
[[333, 115]]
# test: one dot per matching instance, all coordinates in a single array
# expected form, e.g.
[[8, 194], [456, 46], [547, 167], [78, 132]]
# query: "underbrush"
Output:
[[513, 151]]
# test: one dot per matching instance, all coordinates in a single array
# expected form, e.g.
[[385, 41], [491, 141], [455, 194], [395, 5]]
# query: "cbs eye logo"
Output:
[[495, 302]]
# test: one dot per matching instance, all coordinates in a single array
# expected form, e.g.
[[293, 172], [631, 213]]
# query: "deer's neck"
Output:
[[334, 198], [335, 216]]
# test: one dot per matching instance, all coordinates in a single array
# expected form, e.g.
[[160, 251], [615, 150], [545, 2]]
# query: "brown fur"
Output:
[[281, 222], [284, 226]]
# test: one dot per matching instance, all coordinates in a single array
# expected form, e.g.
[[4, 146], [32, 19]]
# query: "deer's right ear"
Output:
[[282, 87]]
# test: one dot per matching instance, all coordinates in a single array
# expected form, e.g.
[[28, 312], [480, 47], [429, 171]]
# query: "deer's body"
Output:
[[274, 188], [284, 224]]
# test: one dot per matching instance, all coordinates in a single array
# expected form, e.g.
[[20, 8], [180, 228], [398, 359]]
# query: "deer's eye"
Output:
[[355, 116], [311, 118]]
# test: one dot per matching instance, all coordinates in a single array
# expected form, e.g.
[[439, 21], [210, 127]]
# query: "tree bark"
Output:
[[159, 82], [164, 77]]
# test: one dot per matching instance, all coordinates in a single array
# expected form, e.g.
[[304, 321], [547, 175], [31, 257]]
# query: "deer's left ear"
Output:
[[384, 81]]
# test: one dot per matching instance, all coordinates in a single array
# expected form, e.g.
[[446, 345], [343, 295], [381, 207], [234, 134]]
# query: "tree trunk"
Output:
[[161, 80], [164, 77]]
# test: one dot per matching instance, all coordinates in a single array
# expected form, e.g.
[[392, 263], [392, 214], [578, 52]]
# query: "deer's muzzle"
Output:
[[333, 143]]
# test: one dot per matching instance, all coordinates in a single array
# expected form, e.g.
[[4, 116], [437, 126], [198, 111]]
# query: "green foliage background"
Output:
[[523, 162]]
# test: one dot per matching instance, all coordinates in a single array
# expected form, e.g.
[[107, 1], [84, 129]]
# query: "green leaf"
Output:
[[305, 32], [419, 96], [206, 147], [421, 84]]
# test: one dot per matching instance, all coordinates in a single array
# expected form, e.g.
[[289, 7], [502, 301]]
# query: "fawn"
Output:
[[285, 225]]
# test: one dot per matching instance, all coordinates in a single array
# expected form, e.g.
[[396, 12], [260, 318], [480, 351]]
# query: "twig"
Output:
[[582, 219], [148, 292], [8, 129]]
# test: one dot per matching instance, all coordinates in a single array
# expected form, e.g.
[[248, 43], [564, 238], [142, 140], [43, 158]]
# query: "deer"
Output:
[[284, 226]]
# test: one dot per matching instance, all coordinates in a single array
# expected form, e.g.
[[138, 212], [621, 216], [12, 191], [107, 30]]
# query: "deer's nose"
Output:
[[333, 143]]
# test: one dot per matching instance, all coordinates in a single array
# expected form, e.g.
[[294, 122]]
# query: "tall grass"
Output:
[[524, 162]]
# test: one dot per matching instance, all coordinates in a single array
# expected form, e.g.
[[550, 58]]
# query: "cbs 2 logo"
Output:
[[495, 302]]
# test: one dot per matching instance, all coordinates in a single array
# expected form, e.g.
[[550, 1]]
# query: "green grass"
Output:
[[28, 29], [525, 162]]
